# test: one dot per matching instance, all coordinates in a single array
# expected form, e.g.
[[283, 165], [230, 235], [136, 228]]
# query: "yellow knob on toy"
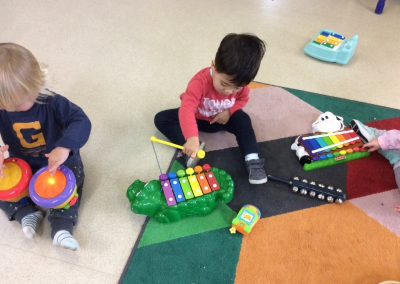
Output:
[[189, 171]]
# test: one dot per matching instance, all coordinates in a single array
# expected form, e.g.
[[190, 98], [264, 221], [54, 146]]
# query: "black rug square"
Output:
[[274, 198]]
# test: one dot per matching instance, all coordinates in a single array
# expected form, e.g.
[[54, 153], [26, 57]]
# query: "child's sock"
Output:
[[30, 223], [251, 156], [64, 239]]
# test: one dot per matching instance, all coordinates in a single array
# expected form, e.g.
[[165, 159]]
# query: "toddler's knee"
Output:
[[63, 214], [158, 119], [241, 119]]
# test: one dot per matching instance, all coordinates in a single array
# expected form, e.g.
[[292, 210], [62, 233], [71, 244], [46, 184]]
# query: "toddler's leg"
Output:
[[62, 221], [30, 223], [369, 133], [26, 213], [167, 122], [397, 177], [240, 125], [366, 133]]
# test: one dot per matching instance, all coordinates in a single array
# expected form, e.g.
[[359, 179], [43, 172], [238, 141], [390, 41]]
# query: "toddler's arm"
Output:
[[191, 146], [372, 145], [77, 125], [57, 157], [3, 149], [390, 140], [190, 101]]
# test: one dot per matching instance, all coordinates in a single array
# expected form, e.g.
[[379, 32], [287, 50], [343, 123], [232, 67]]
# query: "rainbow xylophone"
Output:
[[330, 46], [185, 185], [329, 149], [148, 197]]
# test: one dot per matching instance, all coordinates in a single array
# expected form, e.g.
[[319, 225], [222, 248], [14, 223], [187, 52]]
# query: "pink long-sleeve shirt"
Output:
[[390, 140], [201, 101]]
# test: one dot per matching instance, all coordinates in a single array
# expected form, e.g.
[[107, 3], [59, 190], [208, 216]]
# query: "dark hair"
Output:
[[239, 56]]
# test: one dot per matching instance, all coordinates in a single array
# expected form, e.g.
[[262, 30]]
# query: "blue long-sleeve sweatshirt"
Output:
[[52, 122]]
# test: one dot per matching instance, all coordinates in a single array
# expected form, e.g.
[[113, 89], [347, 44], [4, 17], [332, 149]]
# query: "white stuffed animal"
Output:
[[326, 122]]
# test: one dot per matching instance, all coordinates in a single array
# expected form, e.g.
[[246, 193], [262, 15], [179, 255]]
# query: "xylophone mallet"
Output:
[[200, 154]]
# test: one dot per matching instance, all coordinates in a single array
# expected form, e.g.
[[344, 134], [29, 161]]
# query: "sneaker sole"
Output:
[[357, 130], [258, 181]]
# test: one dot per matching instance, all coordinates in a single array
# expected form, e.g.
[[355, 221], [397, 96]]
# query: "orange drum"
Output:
[[54, 191], [14, 185]]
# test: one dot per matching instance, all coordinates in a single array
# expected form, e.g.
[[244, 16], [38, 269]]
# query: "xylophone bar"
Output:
[[329, 141], [185, 185], [176, 188], [327, 134], [337, 145], [167, 189]]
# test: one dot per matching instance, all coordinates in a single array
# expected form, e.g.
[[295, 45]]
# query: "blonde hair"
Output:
[[21, 77]]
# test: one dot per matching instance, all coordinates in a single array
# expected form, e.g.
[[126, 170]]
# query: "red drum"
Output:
[[14, 185]]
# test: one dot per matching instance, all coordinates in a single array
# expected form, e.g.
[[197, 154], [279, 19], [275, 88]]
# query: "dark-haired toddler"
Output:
[[214, 99]]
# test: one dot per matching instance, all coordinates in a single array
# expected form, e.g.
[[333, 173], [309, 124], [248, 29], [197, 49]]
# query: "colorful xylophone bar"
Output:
[[185, 185], [330, 149]]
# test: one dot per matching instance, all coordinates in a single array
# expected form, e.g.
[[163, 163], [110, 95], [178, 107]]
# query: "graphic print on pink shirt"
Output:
[[212, 107]]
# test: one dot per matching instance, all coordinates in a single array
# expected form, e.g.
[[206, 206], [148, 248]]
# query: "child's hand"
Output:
[[372, 146], [191, 146], [397, 208], [3, 149], [221, 118], [57, 157]]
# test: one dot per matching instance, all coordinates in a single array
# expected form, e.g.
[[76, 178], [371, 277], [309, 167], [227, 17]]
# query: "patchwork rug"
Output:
[[298, 239]]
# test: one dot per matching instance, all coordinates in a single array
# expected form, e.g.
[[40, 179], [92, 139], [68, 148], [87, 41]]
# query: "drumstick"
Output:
[[200, 154]]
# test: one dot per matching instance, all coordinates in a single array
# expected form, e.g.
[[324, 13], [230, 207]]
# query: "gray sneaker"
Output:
[[192, 162], [256, 171], [366, 133]]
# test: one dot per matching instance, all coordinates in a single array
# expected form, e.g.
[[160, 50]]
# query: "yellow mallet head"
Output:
[[201, 154]]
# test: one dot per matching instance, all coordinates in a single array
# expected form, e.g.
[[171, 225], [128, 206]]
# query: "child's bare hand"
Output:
[[372, 146], [191, 146], [3, 149], [221, 118], [56, 158], [397, 208]]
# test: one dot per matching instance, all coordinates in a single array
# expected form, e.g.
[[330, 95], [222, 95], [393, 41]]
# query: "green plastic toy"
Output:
[[148, 199]]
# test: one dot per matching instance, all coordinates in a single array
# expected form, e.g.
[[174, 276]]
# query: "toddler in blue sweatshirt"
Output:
[[44, 129]]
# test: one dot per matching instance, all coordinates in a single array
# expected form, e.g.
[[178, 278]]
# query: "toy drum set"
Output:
[[46, 190]]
